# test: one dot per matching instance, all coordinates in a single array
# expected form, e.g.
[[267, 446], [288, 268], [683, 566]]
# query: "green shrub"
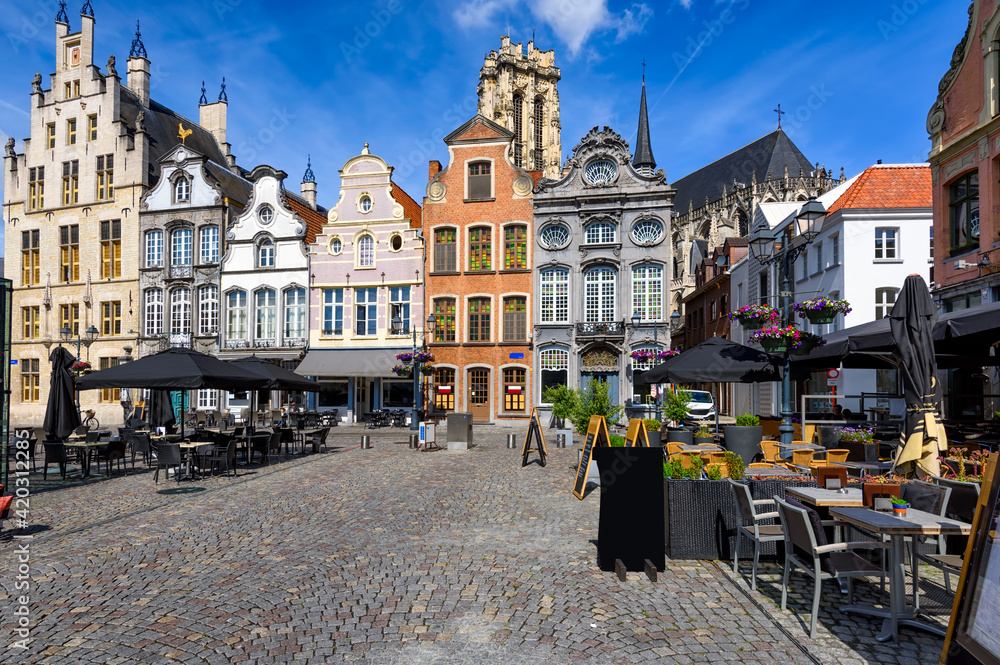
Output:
[[563, 400], [594, 400], [652, 424], [616, 441], [747, 420], [703, 431], [734, 465], [714, 472], [675, 404]]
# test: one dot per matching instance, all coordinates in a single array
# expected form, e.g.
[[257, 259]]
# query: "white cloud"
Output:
[[632, 21], [686, 4], [480, 13]]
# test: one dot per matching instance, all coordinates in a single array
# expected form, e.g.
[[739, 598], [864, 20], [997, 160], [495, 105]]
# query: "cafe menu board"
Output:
[[636, 434], [597, 435], [534, 431]]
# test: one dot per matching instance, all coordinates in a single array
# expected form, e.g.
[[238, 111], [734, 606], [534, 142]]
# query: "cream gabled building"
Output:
[[517, 90], [71, 212]]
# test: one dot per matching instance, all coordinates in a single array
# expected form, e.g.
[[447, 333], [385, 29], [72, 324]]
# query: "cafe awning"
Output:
[[323, 363]]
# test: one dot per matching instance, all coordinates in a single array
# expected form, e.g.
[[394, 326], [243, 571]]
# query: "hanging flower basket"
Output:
[[822, 309], [81, 367], [427, 370], [753, 317], [418, 357], [652, 355], [775, 339], [806, 344], [402, 370]]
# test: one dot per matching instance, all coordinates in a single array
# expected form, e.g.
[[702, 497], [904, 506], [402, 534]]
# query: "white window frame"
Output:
[[236, 315], [554, 300], [209, 244], [883, 304], [366, 251], [295, 314], [602, 232], [265, 253], [888, 254], [399, 305], [181, 247], [154, 248], [265, 314], [153, 324], [207, 399], [208, 310], [370, 310], [180, 310], [333, 311], [182, 190], [647, 291], [600, 295]]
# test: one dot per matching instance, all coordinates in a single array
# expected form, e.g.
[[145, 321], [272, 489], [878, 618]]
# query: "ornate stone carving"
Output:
[[599, 360], [968, 159], [332, 216], [9, 147], [397, 211], [936, 117], [436, 190], [522, 185], [111, 66], [984, 148], [36, 83]]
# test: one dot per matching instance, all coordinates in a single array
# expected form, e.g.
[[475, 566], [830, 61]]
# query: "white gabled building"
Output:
[[876, 232]]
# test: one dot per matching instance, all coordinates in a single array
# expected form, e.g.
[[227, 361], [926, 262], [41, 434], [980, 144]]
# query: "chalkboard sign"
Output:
[[534, 430], [597, 435], [972, 633], [636, 434]]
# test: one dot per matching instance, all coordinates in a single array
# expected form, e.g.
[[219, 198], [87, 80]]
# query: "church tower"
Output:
[[517, 89]]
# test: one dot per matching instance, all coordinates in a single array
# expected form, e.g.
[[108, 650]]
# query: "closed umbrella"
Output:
[[912, 319], [61, 416], [160, 411]]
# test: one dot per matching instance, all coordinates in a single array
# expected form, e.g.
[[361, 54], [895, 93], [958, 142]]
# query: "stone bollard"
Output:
[[366, 442], [512, 441], [560, 440], [414, 441]]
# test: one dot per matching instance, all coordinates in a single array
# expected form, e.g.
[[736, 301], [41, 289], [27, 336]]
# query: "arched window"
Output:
[[366, 252], [554, 366], [265, 253], [539, 119], [236, 315], [599, 301], [647, 292], [182, 190], [518, 129], [555, 295], [265, 311], [742, 226], [515, 247], [295, 313], [154, 312], [208, 310], [600, 233], [180, 310], [180, 247]]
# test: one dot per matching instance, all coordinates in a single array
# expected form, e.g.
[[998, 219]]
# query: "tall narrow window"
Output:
[[399, 306], [265, 253], [69, 317], [539, 124], [208, 310], [480, 247], [835, 250], [71, 182], [36, 188], [647, 292], [333, 311], [515, 247], [105, 177], [885, 243], [885, 298], [366, 252], [600, 233], [479, 320], [514, 389], [555, 296], [964, 209], [480, 181], [208, 400], [71, 131], [515, 319], [444, 389], [236, 315], [182, 190], [30, 379], [265, 306], [444, 314], [154, 249], [445, 251], [180, 310], [69, 252], [50, 135], [295, 313], [30, 258], [111, 318], [365, 311], [111, 249], [154, 312], [518, 130], [180, 247], [210, 244], [91, 127], [32, 322], [599, 303]]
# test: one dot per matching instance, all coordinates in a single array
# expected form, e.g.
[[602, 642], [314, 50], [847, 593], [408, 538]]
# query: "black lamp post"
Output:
[[808, 223], [66, 334], [418, 393]]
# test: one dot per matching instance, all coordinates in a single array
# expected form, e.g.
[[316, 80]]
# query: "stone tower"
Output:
[[517, 89]]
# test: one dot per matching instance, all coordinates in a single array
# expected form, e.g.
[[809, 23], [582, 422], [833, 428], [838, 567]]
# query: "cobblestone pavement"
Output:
[[388, 555]]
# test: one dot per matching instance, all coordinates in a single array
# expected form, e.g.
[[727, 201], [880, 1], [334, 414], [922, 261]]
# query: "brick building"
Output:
[[477, 222]]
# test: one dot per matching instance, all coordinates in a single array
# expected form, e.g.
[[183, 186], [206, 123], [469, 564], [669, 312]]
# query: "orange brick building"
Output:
[[477, 224]]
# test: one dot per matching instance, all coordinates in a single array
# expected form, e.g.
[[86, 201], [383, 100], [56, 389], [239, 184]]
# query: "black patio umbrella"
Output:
[[61, 416], [912, 319], [278, 377], [160, 409], [717, 360]]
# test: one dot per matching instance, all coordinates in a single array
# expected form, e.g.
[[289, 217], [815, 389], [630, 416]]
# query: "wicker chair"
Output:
[[114, 452], [802, 458], [141, 445], [224, 453], [836, 455], [772, 453], [55, 453]]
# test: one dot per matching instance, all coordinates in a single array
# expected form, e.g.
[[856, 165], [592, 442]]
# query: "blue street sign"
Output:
[[515, 356]]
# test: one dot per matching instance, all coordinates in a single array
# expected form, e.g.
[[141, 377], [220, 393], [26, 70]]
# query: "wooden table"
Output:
[[85, 448], [822, 498], [190, 447], [916, 523]]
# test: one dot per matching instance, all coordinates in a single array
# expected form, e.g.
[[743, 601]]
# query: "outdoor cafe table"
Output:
[[916, 523], [775, 471], [700, 448], [860, 467], [801, 445], [190, 447], [823, 498], [85, 450]]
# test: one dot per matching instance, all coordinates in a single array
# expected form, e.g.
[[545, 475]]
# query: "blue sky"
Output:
[[856, 78]]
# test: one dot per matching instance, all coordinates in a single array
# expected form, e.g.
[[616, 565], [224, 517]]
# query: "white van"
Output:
[[701, 406]]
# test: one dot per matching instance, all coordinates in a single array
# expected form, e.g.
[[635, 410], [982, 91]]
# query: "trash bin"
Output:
[[459, 431]]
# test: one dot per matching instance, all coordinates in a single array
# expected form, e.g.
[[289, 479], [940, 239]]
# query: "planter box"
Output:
[[680, 436], [703, 439], [755, 322], [744, 440], [655, 438]]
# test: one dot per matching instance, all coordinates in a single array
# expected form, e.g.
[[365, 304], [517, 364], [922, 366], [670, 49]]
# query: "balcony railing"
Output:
[[179, 340], [236, 344], [601, 328], [178, 272], [265, 343], [294, 341]]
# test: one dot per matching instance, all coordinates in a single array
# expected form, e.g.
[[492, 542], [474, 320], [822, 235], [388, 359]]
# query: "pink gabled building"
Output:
[[366, 269]]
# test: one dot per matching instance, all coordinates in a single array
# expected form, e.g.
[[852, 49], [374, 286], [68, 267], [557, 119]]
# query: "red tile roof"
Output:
[[314, 220], [888, 186], [411, 209], [536, 176]]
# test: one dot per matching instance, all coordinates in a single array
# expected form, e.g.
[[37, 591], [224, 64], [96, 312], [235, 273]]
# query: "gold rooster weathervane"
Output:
[[183, 133]]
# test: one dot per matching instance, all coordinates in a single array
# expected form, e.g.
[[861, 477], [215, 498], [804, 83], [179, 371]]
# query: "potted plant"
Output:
[[675, 409], [594, 400], [755, 316], [899, 506], [703, 435], [563, 400], [821, 309], [807, 342], [402, 370], [652, 426], [744, 437], [860, 441], [777, 339]]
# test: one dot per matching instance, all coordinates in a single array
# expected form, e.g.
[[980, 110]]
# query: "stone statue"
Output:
[[111, 66], [36, 83], [139, 121], [10, 147]]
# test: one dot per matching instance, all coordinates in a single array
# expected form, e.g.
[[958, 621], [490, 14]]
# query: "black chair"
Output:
[[168, 455], [287, 438], [318, 439], [259, 443], [143, 446], [114, 452], [55, 453], [18, 444], [274, 443], [224, 453]]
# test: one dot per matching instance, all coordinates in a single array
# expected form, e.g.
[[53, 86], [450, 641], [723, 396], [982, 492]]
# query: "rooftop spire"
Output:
[[138, 49], [87, 10], [309, 177], [203, 99], [61, 17], [643, 160], [223, 97]]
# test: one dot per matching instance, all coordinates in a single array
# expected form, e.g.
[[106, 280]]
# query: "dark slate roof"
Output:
[[768, 154], [161, 124], [233, 186], [643, 149]]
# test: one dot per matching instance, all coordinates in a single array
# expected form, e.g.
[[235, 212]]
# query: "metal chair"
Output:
[[802, 551], [168, 455], [55, 453], [224, 453], [930, 498], [754, 526]]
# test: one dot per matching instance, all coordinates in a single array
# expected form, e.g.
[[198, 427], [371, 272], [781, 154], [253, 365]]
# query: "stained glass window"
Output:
[[647, 232]]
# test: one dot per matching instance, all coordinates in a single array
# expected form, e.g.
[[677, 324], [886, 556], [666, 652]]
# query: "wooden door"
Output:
[[479, 395]]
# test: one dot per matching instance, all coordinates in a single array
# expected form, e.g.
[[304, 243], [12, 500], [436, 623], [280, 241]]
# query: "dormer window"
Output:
[[480, 181], [182, 190], [265, 254]]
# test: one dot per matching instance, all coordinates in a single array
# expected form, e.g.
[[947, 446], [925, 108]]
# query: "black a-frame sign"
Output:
[[534, 430]]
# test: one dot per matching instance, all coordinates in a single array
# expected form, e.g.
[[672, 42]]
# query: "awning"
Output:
[[349, 362]]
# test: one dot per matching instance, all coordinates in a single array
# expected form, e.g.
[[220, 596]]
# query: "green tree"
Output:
[[594, 400]]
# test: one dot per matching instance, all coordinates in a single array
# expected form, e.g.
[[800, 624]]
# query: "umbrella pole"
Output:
[[716, 386]]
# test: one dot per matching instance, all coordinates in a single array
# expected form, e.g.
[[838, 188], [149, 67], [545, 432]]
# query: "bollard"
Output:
[[366, 442], [560, 440], [512, 441], [414, 441]]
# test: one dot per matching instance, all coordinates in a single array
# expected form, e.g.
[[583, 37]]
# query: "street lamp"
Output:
[[66, 334], [418, 393], [675, 320], [808, 223]]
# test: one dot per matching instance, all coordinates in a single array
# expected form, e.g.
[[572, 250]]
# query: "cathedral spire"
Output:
[[643, 160]]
